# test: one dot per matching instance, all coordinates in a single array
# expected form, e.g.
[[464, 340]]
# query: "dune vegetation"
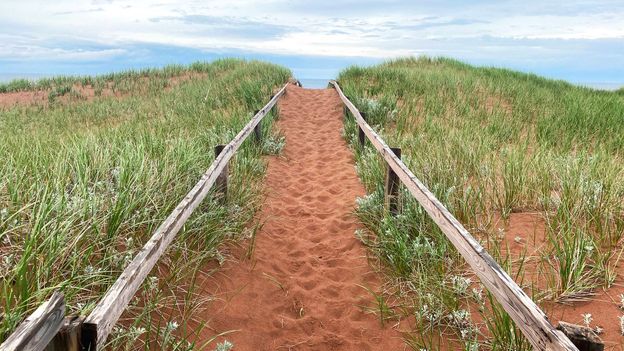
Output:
[[83, 184], [492, 144]]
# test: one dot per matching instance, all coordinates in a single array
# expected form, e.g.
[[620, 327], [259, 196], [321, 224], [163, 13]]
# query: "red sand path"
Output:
[[301, 290]]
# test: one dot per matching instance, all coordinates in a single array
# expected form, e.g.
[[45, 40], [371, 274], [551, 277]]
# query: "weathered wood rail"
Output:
[[526, 314], [38, 330]]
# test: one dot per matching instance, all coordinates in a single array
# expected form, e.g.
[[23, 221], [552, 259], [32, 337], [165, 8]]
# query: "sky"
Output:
[[579, 41]]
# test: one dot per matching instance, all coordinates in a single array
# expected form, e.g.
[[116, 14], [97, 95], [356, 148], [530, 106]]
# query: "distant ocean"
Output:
[[7, 77], [315, 83]]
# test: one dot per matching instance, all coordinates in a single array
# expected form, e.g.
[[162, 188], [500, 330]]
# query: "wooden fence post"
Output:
[[258, 130], [392, 186], [222, 178], [69, 336], [38, 329], [361, 135]]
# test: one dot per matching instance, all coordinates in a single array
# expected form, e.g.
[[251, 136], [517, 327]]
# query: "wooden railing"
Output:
[[39, 331], [526, 314]]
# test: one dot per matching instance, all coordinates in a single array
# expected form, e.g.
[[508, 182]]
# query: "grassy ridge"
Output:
[[490, 142], [83, 185], [169, 71], [112, 84]]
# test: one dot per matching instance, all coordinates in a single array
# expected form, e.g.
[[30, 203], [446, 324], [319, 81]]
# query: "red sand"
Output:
[[302, 288], [85, 93], [526, 232]]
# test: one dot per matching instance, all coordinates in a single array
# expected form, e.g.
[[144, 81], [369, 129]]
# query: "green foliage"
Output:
[[490, 142], [58, 91], [83, 185], [16, 85]]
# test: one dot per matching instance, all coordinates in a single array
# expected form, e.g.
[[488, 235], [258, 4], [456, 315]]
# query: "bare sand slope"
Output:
[[301, 290]]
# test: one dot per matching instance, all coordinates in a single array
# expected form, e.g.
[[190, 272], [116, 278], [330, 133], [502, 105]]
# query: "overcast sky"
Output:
[[579, 41]]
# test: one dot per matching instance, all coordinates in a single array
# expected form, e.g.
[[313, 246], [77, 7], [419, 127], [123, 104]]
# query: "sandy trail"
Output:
[[302, 288]]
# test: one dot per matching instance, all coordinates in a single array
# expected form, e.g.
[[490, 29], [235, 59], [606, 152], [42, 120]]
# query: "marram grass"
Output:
[[489, 143], [83, 185]]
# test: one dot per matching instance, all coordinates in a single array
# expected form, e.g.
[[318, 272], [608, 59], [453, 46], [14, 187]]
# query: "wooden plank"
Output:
[[100, 322], [38, 329], [526, 314]]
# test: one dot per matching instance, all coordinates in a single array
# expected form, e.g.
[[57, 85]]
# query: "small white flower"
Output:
[[501, 233], [171, 326], [518, 239], [137, 331], [477, 294], [460, 284], [622, 325], [224, 346], [152, 283], [461, 318], [89, 270], [587, 319]]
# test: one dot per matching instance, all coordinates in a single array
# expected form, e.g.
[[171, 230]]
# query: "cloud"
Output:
[[99, 9], [36, 53], [228, 26], [527, 34]]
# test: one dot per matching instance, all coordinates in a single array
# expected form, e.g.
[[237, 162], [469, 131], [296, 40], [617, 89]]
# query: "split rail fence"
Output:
[[48, 329]]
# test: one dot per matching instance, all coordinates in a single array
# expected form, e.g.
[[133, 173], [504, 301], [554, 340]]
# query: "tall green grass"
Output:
[[491, 142], [84, 185]]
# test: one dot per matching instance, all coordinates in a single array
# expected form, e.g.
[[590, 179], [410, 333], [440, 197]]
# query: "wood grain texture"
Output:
[[100, 322], [525, 313], [38, 329]]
